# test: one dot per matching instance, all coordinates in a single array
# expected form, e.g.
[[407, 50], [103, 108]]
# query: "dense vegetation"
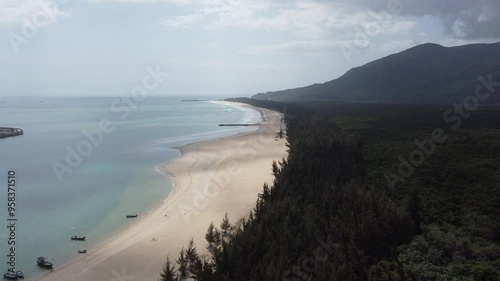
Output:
[[428, 74], [340, 209]]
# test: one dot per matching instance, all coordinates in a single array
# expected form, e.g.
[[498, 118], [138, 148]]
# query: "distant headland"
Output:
[[10, 132]]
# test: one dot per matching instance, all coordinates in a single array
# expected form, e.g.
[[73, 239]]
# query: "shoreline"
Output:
[[158, 168], [156, 233]]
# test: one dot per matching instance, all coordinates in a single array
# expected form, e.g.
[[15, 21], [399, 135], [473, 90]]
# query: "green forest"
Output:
[[368, 192]]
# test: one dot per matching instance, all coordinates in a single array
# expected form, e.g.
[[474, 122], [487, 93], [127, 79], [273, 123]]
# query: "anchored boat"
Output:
[[43, 262], [79, 238], [10, 276]]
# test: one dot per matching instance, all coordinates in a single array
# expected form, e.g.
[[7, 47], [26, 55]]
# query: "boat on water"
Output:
[[19, 274], [10, 276], [43, 262], [131, 216], [79, 238], [82, 251]]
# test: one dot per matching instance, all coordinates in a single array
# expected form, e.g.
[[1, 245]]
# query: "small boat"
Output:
[[42, 262], [79, 238], [10, 276], [82, 251], [19, 274], [131, 216]]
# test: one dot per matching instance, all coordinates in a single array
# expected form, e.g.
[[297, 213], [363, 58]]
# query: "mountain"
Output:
[[427, 73]]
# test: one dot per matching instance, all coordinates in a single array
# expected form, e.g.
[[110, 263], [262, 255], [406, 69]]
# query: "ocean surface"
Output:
[[83, 164]]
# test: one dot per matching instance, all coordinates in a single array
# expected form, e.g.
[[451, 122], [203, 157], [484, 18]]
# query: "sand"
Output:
[[212, 177]]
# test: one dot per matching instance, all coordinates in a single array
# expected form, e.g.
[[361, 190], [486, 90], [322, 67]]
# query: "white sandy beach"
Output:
[[211, 177]]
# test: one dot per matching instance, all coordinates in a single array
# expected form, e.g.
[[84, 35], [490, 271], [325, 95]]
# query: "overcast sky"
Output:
[[217, 47]]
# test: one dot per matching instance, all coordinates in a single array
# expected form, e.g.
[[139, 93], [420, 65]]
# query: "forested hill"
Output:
[[427, 73], [334, 213]]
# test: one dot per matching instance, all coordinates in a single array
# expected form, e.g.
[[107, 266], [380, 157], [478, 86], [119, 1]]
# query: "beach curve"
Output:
[[211, 177]]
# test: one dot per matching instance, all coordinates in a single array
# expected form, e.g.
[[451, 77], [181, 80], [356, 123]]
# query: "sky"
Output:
[[218, 48]]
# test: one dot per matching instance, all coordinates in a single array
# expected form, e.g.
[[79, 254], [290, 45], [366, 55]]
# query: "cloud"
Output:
[[450, 42], [19, 11], [184, 22], [178, 2], [311, 19], [313, 46], [308, 19], [231, 66], [460, 18], [464, 19], [397, 45], [323, 19]]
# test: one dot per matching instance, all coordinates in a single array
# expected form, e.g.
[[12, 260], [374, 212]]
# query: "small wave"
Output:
[[251, 116], [186, 139]]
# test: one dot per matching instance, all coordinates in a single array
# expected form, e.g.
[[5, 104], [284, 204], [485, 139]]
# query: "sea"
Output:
[[84, 163]]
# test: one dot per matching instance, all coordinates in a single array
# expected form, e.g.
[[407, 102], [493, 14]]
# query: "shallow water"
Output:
[[71, 184]]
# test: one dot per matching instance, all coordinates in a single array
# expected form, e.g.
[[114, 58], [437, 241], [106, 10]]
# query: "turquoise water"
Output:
[[108, 178]]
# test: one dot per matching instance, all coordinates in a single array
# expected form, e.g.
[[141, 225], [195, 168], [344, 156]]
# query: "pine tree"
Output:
[[192, 256], [210, 236], [182, 261], [206, 272], [217, 253], [225, 224], [276, 170], [168, 273], [217, 237], [191, 252], [196, 270]]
